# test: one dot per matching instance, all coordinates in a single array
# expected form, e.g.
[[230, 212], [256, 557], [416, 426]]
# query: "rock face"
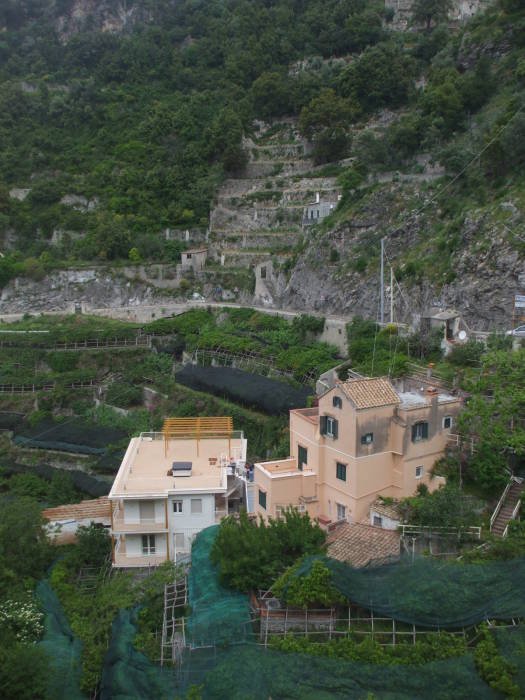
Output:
[[485, 269], [114, 16]]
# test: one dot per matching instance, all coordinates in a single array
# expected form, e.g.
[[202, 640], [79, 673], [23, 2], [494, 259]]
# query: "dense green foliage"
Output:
[[250, 555], [493, 418], [448, 506], [493, 668], [433, 648], [312, 591]]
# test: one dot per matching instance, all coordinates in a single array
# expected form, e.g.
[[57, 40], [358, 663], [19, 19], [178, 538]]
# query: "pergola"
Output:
[[197, 428]]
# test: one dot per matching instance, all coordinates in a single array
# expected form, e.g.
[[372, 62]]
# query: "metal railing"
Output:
[[499, 505], [407, 530], [512, 517]]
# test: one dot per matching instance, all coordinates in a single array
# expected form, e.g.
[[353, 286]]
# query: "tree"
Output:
[[24, 548], [428, 11], [448, 506], [325, 122], [251, 555]]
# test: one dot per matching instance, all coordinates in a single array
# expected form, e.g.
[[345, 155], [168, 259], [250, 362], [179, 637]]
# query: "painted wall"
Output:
[[132, 511], [188, 523]]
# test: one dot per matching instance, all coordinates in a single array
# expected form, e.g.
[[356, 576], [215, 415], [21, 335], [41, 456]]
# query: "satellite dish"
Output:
[[462, 335]]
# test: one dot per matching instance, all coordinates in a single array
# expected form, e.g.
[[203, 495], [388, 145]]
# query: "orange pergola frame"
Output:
[[197, 428]]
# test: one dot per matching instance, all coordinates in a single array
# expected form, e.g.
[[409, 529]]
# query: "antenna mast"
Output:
[[391, 294]]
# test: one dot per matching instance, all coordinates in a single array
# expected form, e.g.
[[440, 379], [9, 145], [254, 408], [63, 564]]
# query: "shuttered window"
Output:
[[329, 426], [340, 471], [262, 499]]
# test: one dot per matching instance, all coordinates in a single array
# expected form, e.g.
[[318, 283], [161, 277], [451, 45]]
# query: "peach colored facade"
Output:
[[374, 450]]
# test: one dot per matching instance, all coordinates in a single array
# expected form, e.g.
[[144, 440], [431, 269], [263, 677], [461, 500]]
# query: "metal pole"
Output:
[[391, 294], [382, 282]]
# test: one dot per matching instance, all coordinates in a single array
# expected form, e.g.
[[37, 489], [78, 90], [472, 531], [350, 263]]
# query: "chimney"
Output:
[[432, 395]]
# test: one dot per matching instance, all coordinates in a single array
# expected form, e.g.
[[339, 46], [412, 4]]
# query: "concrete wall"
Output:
[[187, 523]]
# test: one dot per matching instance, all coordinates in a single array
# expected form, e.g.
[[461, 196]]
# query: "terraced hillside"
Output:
[[260, 214]]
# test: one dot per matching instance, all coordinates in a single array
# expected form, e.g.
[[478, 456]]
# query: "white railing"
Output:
[[512, 517], [513, 479], [473, 530]]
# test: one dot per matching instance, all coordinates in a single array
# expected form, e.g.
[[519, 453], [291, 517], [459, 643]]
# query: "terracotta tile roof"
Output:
[[360, 544], [95, 508], [369, 393], [389, 510]]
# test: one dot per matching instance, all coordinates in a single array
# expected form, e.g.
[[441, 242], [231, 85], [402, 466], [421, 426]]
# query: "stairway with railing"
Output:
[[508, 507]]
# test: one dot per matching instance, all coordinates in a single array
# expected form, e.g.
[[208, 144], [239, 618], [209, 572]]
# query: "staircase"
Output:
[[508, 507]]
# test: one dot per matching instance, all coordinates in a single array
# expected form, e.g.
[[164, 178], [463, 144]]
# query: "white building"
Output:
[[173, 484]]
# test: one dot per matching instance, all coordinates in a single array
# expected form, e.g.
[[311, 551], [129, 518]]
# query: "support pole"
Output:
[[391, 294], [382, 282]]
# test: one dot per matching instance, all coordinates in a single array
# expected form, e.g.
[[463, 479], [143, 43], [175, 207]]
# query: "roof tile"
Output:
[[370, 392], [360, 544]]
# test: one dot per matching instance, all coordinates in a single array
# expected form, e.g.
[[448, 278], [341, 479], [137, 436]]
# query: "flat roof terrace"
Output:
[[146, 467]]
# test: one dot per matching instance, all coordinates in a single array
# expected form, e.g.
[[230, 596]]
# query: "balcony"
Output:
[[121, 560], [145, 526]]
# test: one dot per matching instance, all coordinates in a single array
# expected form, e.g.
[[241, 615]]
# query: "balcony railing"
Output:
[[145, 526], [123, 561]]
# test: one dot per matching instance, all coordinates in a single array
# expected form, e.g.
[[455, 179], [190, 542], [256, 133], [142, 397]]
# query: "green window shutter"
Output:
[[262, 499], [340, 471], [335, 428], [425, 430], [414, 432], [322, 425]]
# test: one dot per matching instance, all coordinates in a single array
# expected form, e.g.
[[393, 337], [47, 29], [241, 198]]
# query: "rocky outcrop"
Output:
[[486, 266]]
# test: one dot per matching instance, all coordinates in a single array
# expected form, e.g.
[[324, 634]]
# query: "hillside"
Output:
[[124, 124]]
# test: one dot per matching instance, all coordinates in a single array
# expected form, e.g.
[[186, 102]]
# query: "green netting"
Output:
[[218, 615], [511, 645], [247, 671], [431, 593], [61, 646]]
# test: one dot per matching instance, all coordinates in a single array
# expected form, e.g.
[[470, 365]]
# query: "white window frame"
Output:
[[341, 511], [329, 426], [378, 521], [177, 506], [196, 512], [420, 475], [447, 427], [149, 545], [177, 548]]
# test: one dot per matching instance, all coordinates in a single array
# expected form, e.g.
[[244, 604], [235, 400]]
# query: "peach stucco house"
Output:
[[365, 438]]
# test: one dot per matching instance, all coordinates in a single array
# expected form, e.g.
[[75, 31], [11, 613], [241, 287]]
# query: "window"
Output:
[[419, 431], [378, 521], [303, 456], [329, 426], [337, 402], [419, 472], [147, 511], [341, 511], [196, 505], [262, 499], [367, 439], [447, 422], [340, 471], [148, 544], [188, 256], [179, 541], [263, 273], [177, 506]]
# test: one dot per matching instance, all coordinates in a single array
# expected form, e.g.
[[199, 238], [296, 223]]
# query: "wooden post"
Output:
[[113, 548], [198, 434], [111, 514]]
